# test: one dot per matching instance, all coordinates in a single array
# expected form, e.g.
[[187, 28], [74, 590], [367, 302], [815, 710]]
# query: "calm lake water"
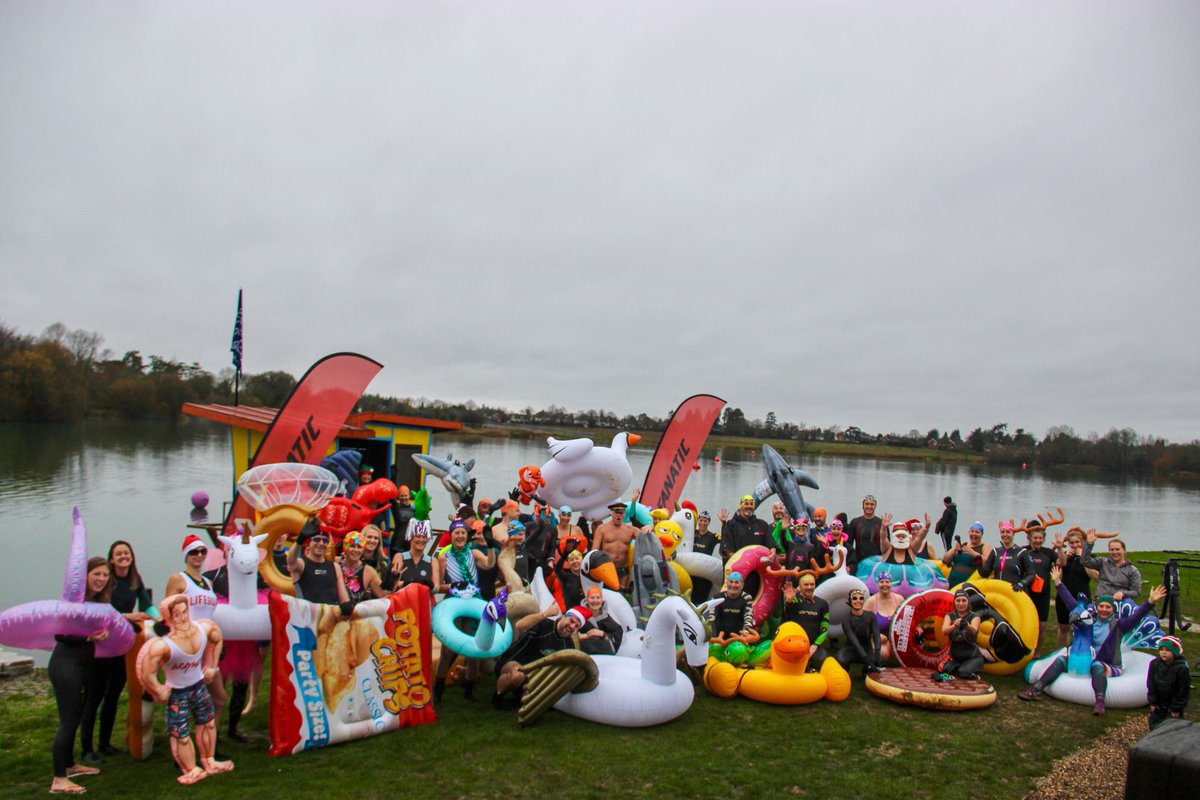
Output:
[[134, 481]]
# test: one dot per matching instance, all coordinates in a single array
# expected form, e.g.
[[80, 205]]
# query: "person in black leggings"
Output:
[[71, 677], [129, 592]]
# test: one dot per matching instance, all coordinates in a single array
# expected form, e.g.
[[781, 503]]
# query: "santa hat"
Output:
[[191, 542], [581, 613], [912, 523]]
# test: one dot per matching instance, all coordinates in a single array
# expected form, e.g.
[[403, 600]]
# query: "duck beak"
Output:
[[634, 438], [606, 574]]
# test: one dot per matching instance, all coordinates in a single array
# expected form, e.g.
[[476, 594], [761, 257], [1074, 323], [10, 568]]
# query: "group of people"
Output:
[[490, 546]]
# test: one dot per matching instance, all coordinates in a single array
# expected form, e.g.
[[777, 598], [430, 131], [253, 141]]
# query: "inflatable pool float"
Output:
[[586, 477], [139, 721], [650, 690], [492, 635], [785, 681], [907, 579], [1007, 634], [756, 559], [34, 625], [834, 590], [916, 687]]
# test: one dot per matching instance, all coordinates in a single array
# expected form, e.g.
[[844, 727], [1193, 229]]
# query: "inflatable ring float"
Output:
[[1007, 634], [1127, 690], [491, 637], [916, 687]]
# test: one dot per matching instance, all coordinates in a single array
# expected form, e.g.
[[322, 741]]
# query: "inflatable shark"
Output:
[[785, 481]]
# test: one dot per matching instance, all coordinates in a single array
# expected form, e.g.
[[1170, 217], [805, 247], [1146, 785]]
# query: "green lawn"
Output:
[[721, 749]]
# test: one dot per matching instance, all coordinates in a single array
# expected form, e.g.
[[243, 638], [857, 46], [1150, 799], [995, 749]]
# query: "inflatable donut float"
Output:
[[491, 638], [915, 687], [1007, 635]]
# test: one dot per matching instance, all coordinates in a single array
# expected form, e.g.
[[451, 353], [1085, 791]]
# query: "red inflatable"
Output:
[[916, 630], [345, 514]]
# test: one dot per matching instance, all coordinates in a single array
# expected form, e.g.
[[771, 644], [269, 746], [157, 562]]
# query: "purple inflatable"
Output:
[[33, 626]]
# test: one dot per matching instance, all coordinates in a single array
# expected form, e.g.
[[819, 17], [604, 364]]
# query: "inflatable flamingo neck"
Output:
[[75, 578]]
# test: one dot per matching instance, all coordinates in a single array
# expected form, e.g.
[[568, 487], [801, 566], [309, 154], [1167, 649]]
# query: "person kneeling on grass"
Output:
[[961, 626], [1167, 682], [537, 635]]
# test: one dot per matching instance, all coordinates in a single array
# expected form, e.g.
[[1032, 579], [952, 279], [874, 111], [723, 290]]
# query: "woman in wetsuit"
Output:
[[132, 599], [862, 636], [362, 581], [966, 558], [960, 626], [883, 605], [416, 565], [601, 634], [567, 569], [1074, 577], [74, 683]]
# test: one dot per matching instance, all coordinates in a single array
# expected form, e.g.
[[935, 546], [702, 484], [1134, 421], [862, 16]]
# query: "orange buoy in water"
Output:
[[716, 459], [696, 467]]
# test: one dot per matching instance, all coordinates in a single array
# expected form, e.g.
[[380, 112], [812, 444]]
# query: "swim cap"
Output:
[[565, 510], [747, 498], [820, 510], [977, 526], [457, 524], [516, 526], [883, 576], [594, 591], [352, 538], [734, 576], [1006, 526], [705, 515]]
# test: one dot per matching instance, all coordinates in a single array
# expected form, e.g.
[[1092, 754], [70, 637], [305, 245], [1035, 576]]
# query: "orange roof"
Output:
[[259, 418], [363, 417]]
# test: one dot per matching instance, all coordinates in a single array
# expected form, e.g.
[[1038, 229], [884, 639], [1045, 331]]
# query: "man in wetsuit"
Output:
[[811, 613], [734, 615], [864, 535], [705, 541], [316, 578], [537, 635], [742, 529], [402, 512]]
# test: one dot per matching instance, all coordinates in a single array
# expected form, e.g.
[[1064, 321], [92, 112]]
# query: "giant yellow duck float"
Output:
[[785, 682]]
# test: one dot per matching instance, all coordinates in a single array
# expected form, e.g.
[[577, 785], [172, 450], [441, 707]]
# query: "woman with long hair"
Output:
[[131, 597], [71, 677]]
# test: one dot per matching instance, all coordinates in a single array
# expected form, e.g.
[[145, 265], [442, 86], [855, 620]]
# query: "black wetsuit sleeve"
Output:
[[988, 565], [1064, 594]]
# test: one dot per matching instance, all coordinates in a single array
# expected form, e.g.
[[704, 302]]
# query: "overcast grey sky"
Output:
[[891, 215]]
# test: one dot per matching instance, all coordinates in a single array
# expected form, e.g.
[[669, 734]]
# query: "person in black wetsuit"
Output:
[[862, 636], [131, 597], [705, 541], [1074, 577], [416, 565], [74, 683], [402, 512], [536, 635], [1008, 562], [316, 578], [811, 613], [1040, 560], [865, 535], [947, 522], [541, 537], [567, 569], [961, 626], [742, 529], [734, 615]]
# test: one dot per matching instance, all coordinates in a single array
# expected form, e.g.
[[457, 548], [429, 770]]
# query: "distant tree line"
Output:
[[65, 375]]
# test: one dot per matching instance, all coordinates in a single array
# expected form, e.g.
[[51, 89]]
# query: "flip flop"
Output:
[[82, 772], [73, 790]]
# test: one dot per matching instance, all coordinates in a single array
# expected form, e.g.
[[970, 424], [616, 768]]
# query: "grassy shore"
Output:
[[719, 749], [784, 446]]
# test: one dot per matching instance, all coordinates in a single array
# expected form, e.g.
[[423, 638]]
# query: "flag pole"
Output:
[[235, 347]]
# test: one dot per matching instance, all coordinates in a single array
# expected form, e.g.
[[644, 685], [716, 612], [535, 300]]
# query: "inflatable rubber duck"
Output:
[[585, 477], [785, 682]]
